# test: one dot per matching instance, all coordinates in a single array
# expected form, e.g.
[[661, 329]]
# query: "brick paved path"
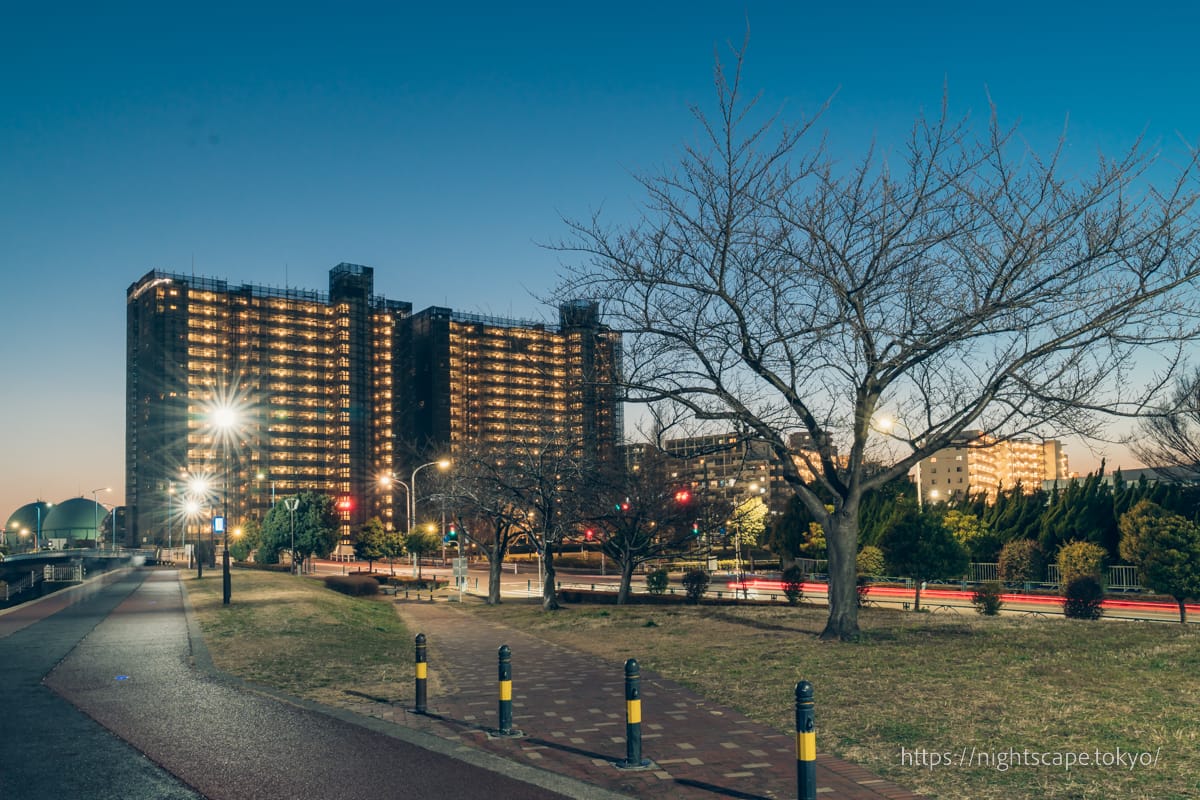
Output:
[[570, 710]]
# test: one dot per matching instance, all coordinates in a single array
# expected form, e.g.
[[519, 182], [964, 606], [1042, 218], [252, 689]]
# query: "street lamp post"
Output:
[[37, 537], [96, 515], [198, 488], [442, 464], [170, 495], [291, 504], [386, 481], [224, 419]]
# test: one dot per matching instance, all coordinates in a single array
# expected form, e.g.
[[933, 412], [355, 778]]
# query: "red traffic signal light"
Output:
[[683, 496], [345, 504], [589, 534]]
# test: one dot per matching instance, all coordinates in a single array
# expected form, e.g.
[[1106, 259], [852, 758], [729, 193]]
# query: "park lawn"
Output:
[[933, 682], [293, 634], [936, 682]]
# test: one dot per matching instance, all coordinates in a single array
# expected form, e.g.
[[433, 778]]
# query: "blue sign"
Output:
[[218, 525]]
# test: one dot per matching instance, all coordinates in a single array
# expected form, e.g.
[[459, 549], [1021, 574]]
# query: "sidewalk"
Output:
[[570, 708]]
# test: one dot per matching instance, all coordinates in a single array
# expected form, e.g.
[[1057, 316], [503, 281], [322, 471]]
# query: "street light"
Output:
[[37, 540], [224, 418], [386, 481], [96, 514], [192, 509], [291, 504], [442, 464], [197, 488], [170, 495]]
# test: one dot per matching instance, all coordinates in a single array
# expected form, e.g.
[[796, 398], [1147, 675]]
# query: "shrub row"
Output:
[[353, 585]]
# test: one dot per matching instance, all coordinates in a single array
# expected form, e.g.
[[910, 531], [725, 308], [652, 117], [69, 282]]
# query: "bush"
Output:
[[695, 584], [986, 599], [1078, 560], [656, 581], [1021, 561], [793, 584], [353, 585], [1083, 597], [869, 561]]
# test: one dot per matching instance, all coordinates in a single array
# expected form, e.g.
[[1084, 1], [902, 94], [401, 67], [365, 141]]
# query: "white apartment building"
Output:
[[978, 462]]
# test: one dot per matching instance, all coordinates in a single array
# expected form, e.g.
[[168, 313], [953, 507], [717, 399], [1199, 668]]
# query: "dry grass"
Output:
[[296, 635], [941, 683], [935, 682]]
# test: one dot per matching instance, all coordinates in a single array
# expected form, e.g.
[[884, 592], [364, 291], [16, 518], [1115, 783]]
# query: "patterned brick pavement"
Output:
[[570, 711]]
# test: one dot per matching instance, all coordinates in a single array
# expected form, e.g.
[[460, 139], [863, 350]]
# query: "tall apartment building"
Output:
[[977, 462], [334, 389]]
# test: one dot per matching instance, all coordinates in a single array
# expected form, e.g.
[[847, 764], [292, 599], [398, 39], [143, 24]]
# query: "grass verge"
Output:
[[922, 682], [942, 684], [293, 634]]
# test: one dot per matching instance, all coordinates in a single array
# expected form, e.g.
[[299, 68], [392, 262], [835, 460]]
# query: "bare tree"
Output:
[[965, 281], [482, 487], [1169, 437], [640, 515]]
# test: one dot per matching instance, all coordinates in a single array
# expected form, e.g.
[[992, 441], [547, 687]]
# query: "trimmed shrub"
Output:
[[353, 585], [656, 581], [1079, 559], [869, 561], [793, 584], [695, 584], [1083, 597], [1021, 561], [986, 599]]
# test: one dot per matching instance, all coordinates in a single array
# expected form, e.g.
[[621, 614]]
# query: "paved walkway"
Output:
[[126, 658], [570, 709]]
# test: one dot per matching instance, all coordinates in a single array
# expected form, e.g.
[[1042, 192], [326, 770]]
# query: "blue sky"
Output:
[[442, 147]]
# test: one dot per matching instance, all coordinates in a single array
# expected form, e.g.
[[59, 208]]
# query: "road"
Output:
[[525, 582]]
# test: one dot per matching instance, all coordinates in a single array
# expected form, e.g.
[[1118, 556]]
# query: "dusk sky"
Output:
[[444, 147]]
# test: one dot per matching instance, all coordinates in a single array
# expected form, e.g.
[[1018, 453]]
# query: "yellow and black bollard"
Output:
[[421, 669], [505, 726], [633, 718], [806, 743]]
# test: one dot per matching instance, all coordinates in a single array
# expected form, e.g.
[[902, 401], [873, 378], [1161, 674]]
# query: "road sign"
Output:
[[460, 567], [218, 524]]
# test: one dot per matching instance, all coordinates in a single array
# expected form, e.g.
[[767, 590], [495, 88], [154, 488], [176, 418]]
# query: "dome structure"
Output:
[[25, 518], [75, 520]]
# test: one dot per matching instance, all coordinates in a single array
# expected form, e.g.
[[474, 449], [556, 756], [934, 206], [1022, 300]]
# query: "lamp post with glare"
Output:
[[291, 504], [386, 481], [197, 488], [442, 464], [96, 515], [170, 496], [191, 509], [223, 419], [37, 537]]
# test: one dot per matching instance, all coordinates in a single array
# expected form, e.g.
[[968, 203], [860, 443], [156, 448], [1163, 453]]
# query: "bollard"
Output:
[[806, 743], [633, 718], [421, 670], [505, 726]]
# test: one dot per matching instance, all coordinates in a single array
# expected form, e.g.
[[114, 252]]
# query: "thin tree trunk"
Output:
[[549, 592], [495, 568], [626, 586], [1182, 610]]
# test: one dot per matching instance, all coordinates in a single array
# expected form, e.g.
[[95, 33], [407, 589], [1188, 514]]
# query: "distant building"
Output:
[[727, 466], [334, 390], [979, 463]]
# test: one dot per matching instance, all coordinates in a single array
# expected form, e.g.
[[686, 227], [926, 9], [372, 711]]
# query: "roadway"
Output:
[[522, 580]]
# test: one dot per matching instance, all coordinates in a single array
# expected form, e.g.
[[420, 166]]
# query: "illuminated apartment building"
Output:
[[333, 390], [977, 462], [497, 383]]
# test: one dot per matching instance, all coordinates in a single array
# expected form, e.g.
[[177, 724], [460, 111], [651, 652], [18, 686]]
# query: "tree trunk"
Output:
[[842, 544], [549, 592], [917, 596], [626, 586], [1182, 610], [495, 567]]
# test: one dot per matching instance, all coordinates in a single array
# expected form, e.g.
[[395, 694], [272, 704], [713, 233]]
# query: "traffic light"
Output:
[[683, 496], [696, 528], [345, 504], [451, 534], [622, 506], [589, 534]]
